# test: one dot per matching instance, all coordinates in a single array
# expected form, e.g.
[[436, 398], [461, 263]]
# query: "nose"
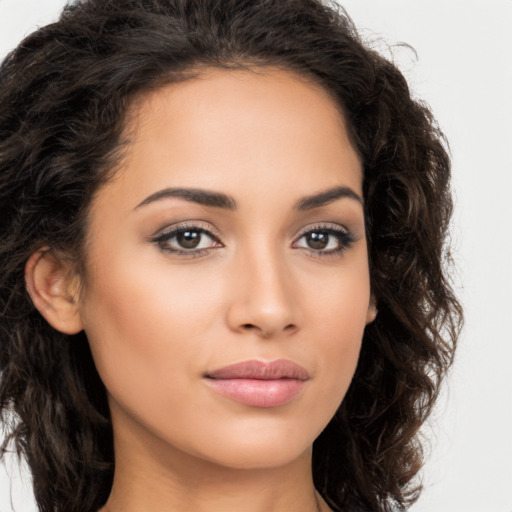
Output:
[[264, 298]]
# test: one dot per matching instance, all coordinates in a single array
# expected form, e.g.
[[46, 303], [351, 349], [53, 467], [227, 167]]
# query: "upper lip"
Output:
[[261, 370]]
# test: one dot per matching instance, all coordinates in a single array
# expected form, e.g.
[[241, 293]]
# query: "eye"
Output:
[[325, 240], [186, 240]]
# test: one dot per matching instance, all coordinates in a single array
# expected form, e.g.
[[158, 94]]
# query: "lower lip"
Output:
[[258, 393]]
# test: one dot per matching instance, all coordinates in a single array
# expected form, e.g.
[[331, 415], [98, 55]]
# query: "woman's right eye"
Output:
[[191, 240]]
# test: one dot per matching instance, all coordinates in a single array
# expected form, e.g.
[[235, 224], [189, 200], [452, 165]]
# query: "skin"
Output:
[[159, 320]]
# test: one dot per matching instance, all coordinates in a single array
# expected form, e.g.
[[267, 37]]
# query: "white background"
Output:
[[464, 71]]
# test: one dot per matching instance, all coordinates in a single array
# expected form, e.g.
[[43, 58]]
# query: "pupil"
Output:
[[318, 240], [189, 239]]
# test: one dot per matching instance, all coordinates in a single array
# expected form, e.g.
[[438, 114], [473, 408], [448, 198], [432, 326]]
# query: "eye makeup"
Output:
[[325, 240], [187, 239], [192, 239]]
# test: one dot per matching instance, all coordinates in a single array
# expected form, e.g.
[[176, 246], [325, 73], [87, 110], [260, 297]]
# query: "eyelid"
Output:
[[200, 225], [349, 238], [322, 225], [167, 233], [325, 226]]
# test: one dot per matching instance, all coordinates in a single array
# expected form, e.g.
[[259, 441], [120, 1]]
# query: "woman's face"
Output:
[[233, 233]]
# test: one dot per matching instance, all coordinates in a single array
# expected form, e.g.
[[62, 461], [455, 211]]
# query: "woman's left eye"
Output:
[[328, 240], [185, 239]]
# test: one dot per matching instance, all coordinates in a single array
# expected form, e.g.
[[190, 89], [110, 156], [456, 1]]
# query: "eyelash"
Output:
[[163, 240], [345, 240]]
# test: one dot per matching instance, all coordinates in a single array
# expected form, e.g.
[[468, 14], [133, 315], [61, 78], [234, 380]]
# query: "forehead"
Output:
[[238, 131]]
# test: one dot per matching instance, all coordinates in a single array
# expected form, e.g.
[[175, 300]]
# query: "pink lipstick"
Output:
[[258, 383]]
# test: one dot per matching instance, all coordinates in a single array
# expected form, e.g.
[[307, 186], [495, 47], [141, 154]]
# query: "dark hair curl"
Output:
[[64, 95]]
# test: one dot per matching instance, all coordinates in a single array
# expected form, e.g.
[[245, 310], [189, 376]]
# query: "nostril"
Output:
[[267, 333]]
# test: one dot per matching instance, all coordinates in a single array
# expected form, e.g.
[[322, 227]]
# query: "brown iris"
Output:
[[317, 240], [188, 239]]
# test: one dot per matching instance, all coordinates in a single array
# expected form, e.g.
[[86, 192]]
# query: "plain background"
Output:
[[464, 72]]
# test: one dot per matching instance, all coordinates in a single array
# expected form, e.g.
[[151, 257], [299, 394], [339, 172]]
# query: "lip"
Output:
[[258, 383]]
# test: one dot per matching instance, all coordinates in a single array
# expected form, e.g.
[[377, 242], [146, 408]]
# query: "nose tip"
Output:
[[264, 301]]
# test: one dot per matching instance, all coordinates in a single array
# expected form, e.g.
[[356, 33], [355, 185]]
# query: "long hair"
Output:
[[64, 97]]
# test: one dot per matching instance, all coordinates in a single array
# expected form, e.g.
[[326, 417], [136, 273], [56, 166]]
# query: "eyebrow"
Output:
[[326, 197], [220, 200], [194, 195]]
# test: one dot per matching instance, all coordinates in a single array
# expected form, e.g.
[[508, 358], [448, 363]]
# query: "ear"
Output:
[[53, 288], [371, 314]]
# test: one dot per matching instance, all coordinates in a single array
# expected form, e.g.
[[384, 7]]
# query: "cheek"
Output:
[[338, 319], [145, 327]]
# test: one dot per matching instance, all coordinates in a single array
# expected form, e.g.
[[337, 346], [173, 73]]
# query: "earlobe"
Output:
[[371, 314], [53, 290]]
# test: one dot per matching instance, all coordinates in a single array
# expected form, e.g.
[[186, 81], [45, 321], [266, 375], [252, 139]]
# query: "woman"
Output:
[[223, 282]]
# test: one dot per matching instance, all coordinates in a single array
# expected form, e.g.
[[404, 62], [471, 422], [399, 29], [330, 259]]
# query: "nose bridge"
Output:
[[264, 300]]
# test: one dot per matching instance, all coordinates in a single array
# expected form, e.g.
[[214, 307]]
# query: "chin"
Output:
[[260, 456], [259, 447]]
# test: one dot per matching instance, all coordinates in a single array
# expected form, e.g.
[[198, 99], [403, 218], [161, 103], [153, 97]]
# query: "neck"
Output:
[[152, 478]]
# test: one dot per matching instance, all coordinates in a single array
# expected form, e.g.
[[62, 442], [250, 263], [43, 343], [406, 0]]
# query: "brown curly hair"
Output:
[[64, 94]]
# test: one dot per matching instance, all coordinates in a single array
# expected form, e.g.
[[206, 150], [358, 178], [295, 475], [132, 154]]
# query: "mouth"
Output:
[[258, 383]]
